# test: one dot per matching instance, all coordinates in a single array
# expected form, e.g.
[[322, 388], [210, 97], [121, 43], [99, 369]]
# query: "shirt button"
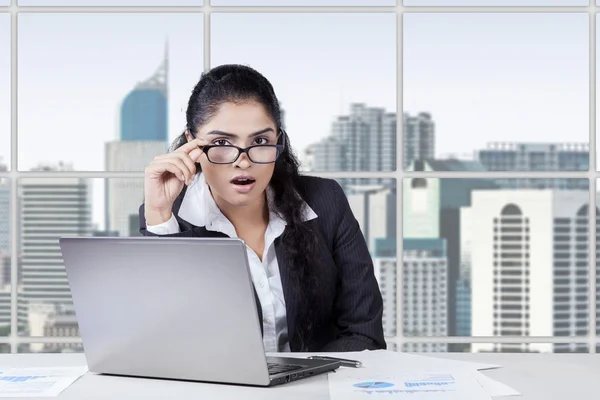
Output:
[[266, 320]]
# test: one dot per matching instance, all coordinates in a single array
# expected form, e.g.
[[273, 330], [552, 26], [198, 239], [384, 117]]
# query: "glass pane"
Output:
[[506, 3], [373, 203], [305, 3], [495, 257], [484, 86], [339, 108], [5, 105], [4, 2], [55, 207], [5, 256], [51, 347], [110, 2], [116, 106], [496, 348]]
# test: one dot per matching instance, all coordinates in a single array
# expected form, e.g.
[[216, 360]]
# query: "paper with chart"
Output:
[[455, 385], [38, 382]]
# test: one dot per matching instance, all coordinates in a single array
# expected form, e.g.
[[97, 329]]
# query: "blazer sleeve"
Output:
[[185, 228], [358, 307]]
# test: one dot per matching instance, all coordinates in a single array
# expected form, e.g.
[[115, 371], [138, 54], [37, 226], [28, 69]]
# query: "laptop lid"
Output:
[[167, 307]]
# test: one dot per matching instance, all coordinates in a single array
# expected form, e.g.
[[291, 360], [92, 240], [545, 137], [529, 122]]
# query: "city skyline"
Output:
[[81, 64], [498, 77]]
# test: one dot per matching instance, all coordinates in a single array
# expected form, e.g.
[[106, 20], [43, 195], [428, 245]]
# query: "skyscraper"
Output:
[[52, 207], [363, 140], [515, 156], [143, 136], [529, 250], [419, 138], [144, 111]]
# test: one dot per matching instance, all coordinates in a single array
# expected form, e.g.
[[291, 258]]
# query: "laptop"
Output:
[[173, 308]]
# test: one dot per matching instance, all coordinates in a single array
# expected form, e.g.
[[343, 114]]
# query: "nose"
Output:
[[242, 162]]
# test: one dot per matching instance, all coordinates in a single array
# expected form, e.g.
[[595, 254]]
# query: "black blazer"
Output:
[[350, 308]]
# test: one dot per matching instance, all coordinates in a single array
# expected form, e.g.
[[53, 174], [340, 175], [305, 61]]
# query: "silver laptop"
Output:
[[175, 308]]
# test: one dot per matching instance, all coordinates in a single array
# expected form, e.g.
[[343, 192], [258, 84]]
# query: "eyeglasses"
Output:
[[258, 154]]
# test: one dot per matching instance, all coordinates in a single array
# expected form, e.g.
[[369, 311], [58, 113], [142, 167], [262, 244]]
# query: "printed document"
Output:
[[458, 384], [38, 382]]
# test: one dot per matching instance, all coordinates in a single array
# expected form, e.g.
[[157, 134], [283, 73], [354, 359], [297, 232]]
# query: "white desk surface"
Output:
[[535, 376]]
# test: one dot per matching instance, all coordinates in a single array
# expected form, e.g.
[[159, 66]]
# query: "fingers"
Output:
[[191, 145], [175, 165], [160, 167]]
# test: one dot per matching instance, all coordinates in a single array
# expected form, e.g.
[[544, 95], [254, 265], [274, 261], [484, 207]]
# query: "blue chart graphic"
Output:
[[431, 380], [21, 378], [373, 385]]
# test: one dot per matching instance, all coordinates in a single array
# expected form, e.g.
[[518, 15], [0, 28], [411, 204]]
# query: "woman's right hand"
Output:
[[164, 178]]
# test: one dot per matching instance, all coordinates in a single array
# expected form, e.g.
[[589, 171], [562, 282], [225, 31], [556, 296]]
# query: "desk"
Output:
[[535, 376]]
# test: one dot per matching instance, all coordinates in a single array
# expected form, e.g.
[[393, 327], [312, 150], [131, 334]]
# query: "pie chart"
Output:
[[373, 385]]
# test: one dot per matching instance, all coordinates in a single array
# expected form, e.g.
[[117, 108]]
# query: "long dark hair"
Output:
[[239, 84]]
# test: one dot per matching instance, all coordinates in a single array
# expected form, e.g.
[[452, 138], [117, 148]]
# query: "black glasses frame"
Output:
[[279, 147]]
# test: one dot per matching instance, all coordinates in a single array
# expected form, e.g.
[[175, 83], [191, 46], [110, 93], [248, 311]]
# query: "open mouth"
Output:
[[242, 181]]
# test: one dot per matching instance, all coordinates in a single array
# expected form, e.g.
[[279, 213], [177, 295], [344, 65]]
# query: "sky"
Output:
[[498, 77], [5, 106], [74, 73], [316, 72]]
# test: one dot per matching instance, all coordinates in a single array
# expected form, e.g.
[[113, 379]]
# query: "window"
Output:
[[474, 100]]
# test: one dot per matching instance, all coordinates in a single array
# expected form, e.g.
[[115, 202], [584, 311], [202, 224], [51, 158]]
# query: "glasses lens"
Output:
[[263, 154], [222, 154]]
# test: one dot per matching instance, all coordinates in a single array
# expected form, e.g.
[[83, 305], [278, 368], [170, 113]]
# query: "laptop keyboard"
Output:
[[281, 368]]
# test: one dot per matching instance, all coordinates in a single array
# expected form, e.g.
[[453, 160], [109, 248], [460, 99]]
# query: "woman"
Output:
[[232, 173]]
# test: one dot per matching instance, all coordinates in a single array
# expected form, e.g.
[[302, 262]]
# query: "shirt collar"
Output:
[[199, 208]]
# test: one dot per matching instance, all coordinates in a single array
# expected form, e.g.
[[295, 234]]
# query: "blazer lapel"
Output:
[[289, 293]]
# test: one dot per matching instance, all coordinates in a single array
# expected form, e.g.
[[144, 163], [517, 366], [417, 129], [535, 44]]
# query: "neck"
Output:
[[255, 214]]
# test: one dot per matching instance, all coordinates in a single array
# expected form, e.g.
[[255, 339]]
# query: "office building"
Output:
[[52, 207], [143, 136], [419, 138], [431, 210], [144, 111], [363, 140], [529, 274], [529, 157], [425, 291], [374, 207]]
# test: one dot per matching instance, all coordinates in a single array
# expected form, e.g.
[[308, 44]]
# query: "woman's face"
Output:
[[244, 124]]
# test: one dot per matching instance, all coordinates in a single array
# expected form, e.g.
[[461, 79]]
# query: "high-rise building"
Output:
[[374, 207], [52, 207], [144, 135], [363, 140], [144, 111], [432, 210], [425, 288], [419, 138], [529, 157], [529, 274]]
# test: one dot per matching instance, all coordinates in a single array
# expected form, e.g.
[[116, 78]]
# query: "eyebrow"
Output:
[[233, 135]]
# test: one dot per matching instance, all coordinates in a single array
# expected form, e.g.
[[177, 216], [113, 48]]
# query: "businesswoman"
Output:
[[232, 173]]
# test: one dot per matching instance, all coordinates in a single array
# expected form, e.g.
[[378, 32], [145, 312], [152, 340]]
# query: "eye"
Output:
[[221, 142], [261, 140]]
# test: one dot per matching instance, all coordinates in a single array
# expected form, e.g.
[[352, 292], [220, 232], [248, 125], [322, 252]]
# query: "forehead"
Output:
[[240, 118]]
